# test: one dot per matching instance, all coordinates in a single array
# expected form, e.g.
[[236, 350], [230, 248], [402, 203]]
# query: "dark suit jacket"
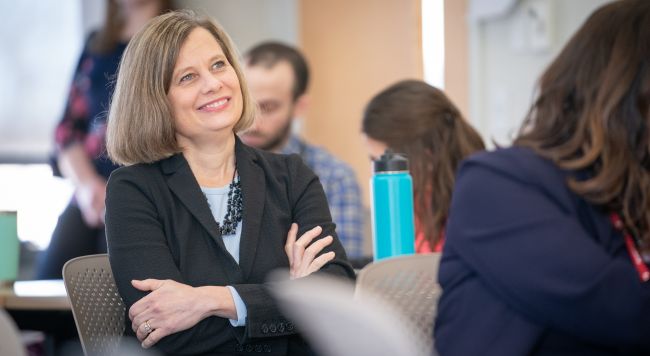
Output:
[[530, 268], [159, 225]]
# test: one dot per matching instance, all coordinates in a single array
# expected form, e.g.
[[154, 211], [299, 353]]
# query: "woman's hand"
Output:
[[302, 259], [172, 307]]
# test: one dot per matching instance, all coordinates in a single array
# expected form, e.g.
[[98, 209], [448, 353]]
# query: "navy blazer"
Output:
[[159, 225], [530, 268]]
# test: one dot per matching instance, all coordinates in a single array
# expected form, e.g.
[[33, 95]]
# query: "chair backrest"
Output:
[[410, 285], [96, 304], [10, 342]]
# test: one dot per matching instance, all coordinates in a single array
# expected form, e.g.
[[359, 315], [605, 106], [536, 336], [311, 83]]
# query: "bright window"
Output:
[[37, 196], [433, 42], [40, 41]]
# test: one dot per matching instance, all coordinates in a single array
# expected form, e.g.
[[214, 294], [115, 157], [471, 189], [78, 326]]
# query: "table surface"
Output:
[[35, 295]]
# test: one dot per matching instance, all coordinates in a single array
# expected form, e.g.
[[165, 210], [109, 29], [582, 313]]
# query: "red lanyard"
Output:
[[640, 266]]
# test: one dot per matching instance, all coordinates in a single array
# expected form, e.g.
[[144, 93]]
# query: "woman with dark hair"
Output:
[[416, 119], [547, 241], [80, 135]]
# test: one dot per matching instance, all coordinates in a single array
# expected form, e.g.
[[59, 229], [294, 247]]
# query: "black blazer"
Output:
[[159, 225], [531, 268]]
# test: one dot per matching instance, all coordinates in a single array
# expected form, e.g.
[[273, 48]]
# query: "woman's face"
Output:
[[204, 94], [374, 147]]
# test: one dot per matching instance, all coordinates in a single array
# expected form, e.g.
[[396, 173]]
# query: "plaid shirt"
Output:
[[342, 191]]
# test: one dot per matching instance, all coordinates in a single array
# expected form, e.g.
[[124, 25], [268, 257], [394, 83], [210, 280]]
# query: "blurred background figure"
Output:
[[278, 77], [80, 135], [416, 119]]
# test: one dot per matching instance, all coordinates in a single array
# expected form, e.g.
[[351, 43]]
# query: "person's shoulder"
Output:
[[88, 42], [516, 163], [269, 160], [277, 167], [507, 156], [324, 163], [137, 173]]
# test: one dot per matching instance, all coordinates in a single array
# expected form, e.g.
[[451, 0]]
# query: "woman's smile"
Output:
[[216, 105]]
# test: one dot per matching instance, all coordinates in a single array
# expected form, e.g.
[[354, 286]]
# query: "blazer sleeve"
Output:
[[138, 250], [309, 209], [530, 250]]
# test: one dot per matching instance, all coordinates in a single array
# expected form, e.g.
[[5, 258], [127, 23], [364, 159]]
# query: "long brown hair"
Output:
[[105, 40], [419, 120], [592, 110]]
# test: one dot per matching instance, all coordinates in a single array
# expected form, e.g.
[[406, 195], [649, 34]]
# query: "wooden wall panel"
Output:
[[355, 49]]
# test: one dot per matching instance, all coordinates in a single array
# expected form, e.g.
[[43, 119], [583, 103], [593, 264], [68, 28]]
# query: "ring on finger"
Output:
[[147, 327]]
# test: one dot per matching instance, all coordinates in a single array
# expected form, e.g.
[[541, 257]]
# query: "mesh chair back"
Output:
[[96, 304], [408, 283]]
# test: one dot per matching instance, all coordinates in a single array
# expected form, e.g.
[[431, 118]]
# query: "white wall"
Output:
[[507, 55], [39, 45], [251, 21]]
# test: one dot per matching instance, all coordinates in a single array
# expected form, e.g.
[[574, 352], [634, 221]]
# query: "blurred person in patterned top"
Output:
[[80, 135]]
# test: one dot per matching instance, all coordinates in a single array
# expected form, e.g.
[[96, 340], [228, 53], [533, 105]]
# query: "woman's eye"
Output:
[[186, 77], [218, 64]]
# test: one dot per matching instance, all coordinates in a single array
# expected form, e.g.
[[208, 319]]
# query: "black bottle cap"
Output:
[[391, 162]]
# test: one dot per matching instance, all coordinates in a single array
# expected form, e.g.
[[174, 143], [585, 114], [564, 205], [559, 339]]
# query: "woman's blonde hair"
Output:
[[140, 121]]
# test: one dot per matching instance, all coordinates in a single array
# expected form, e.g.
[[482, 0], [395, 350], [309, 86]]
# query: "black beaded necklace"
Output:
[[234, 207]]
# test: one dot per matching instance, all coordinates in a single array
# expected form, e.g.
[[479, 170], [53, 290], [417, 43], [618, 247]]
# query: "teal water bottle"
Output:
[[393, 229]]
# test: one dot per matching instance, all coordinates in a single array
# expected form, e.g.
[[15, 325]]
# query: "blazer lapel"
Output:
[[254, 192], [183, 183]]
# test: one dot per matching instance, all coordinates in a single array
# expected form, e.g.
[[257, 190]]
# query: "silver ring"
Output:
[[147, 327]]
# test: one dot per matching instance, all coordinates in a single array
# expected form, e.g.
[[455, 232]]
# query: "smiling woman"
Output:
[[180, 69], [202, 71], [196, 220]]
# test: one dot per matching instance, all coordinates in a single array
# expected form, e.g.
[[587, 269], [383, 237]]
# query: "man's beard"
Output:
[[276, 141]]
